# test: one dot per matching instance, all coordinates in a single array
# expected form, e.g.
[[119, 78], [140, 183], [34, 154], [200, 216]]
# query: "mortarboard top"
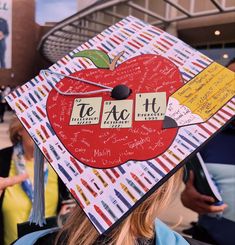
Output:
[[113, 148]]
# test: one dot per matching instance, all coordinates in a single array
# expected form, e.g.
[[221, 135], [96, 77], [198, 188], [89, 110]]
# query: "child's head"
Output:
[[139, 224]]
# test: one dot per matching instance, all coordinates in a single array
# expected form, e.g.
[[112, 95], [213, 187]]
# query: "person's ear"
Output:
[[19, 138], [19, 135]]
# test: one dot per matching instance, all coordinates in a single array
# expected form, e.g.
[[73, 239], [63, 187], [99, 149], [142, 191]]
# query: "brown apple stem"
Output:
[[114, 61]]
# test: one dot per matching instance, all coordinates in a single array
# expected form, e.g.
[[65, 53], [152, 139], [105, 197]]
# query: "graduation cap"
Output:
[[120, 114]]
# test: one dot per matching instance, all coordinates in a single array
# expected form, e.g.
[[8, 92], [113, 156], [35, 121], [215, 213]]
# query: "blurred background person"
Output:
[[4, 31], [16, 201], [2, 105], [7, 91], [219, 157], [10, 181], [4, 91]]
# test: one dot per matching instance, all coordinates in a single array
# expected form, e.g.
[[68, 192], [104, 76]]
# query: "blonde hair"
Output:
[[14, 128], [139, 224]]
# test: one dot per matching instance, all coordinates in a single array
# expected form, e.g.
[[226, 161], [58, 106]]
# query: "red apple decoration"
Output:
[[110, 147]]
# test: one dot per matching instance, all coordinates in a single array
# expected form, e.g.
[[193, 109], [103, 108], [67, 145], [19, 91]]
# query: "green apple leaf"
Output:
[[98, 57]]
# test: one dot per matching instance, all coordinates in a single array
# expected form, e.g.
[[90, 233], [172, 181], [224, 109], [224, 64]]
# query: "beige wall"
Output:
[[84, 3]]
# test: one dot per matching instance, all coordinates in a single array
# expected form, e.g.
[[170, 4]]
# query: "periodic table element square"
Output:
[[86, 111], [150, 106], [117, 114]]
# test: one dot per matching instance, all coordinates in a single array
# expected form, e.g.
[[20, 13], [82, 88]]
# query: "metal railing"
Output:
[[75, 30]]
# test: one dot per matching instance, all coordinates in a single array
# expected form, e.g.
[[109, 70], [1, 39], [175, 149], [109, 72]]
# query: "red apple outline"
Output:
[[104, 98]]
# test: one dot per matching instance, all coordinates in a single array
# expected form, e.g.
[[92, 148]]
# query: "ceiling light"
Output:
[[225, 56], [217, 32]]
